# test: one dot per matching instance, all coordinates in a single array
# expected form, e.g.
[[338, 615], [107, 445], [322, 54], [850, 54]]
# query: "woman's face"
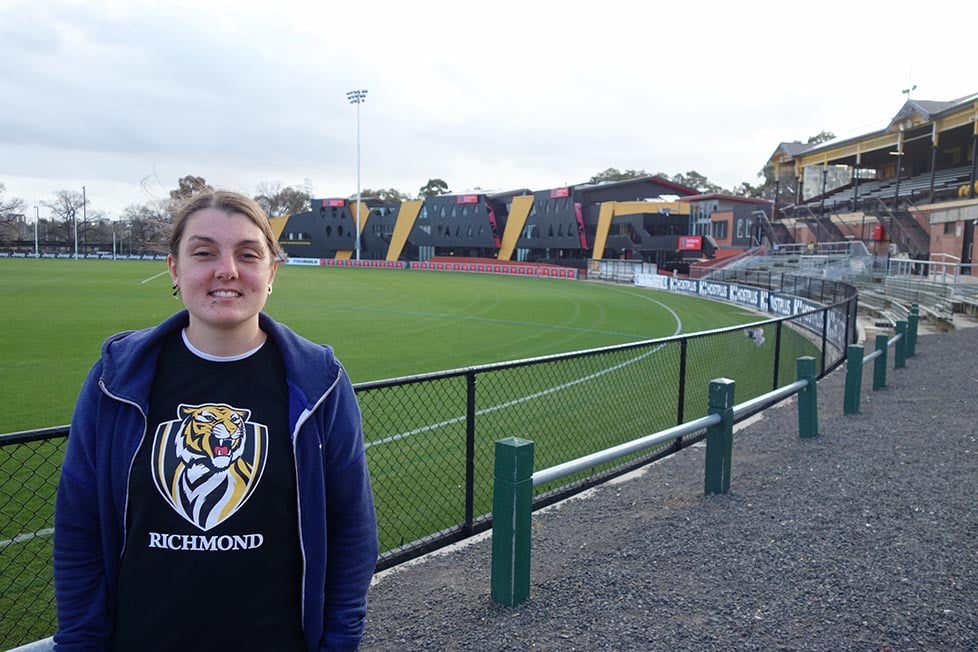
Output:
[[224, 269]]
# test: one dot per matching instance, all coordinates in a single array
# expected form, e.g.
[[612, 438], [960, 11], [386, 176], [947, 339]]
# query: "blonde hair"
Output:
[[231, 203]]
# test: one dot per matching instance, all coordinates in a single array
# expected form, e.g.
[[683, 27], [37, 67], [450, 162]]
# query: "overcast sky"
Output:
[[125, 98]]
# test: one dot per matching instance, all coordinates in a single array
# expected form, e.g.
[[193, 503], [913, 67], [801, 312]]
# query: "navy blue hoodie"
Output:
[[337, 524]]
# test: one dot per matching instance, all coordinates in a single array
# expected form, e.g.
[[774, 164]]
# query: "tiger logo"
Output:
[[208, 461]]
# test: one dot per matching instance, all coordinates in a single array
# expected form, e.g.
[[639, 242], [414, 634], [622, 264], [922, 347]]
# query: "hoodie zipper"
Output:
[[132, 460], [303, 417]]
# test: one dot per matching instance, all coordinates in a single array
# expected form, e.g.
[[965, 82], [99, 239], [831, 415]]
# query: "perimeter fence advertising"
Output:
[[430, 438]]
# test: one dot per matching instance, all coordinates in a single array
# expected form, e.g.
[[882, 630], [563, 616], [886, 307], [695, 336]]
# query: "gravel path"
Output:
[[865, 538]]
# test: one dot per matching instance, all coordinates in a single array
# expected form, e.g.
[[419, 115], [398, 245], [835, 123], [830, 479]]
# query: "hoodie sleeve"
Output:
[[79, 568], [351, 523]]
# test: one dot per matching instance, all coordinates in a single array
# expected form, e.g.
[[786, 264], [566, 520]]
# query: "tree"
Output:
[[433, 188], [613, 174], [386, 195], [821, 137], [66, 208], [694, 179], [188, 186], [277, 201], [148, 226], [11, 210], [10, 207]]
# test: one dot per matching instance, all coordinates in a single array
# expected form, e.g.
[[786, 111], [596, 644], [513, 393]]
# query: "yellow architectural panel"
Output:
[[278, 225], [364, 214], [639, 207], [406, 216], [519, 210], [604, 225], [612, 209], [962, 117], [822, 158], [343, 255]]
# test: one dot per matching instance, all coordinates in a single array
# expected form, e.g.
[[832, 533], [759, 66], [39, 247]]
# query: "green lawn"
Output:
[[383, 324]]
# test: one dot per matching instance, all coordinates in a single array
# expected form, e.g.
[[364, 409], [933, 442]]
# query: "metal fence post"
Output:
[[512, 501], [900, 355], [719, 438], [912, 321], [879, 365], [777, 354], [825, 335], [681, 399], [470, 384], [807, 398], [854, 379]]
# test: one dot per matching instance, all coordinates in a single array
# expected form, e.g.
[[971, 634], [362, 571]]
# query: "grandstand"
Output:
[[908, 189]]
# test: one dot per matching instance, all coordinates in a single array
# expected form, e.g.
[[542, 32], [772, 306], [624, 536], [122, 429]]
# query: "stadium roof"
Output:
[[726, 197], [927, 110], [681, 189]]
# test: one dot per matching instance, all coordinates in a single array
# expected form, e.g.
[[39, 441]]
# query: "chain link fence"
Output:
[[29, 468], [430, 438]]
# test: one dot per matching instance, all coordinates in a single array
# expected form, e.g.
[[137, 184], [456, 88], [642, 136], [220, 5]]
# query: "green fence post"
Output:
[[719, 438], [512, 501], [879, 365], [854, 379], [807, 398], [900, 355], [912, 321]]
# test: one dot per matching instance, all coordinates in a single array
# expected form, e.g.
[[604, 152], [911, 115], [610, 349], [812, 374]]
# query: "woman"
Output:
[[215, 493]]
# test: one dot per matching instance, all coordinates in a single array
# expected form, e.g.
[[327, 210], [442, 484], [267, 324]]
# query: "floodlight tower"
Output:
[[358, 98], [74, 218]]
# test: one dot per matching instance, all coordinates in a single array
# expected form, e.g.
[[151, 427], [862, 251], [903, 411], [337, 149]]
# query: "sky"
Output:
[[124, 98]]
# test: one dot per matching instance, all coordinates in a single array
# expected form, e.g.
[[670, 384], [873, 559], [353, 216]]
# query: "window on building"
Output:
[[949, 228], [720, 230]]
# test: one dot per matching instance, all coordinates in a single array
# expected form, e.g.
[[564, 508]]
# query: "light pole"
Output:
[[74, 216], [37, 218], [358, 98]]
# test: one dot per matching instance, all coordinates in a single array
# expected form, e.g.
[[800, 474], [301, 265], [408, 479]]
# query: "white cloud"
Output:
[[126, 97]]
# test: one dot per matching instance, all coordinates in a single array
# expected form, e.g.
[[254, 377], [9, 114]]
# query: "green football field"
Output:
[[383, 324]]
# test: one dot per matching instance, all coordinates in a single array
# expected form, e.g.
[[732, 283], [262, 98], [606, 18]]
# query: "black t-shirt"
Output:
[[212, 558]]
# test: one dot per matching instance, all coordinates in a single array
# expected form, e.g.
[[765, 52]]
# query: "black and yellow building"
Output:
[[639, 219]]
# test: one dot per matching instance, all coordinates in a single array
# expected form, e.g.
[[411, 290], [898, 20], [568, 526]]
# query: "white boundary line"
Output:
[[20, 538], [530, 397], [154, 276]]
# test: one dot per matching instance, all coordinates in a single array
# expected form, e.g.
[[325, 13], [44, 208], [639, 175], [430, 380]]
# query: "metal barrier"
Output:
[[904, 344], [515, 479]]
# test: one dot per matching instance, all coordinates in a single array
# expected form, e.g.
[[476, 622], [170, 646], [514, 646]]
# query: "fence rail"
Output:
[[514, 474], [430, 438]]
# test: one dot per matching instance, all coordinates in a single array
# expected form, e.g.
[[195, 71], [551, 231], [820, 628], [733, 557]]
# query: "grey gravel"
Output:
[[865, 538]]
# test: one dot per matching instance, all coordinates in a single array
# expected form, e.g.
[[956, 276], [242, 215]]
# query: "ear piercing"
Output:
[[176, 289], [269, 289]]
